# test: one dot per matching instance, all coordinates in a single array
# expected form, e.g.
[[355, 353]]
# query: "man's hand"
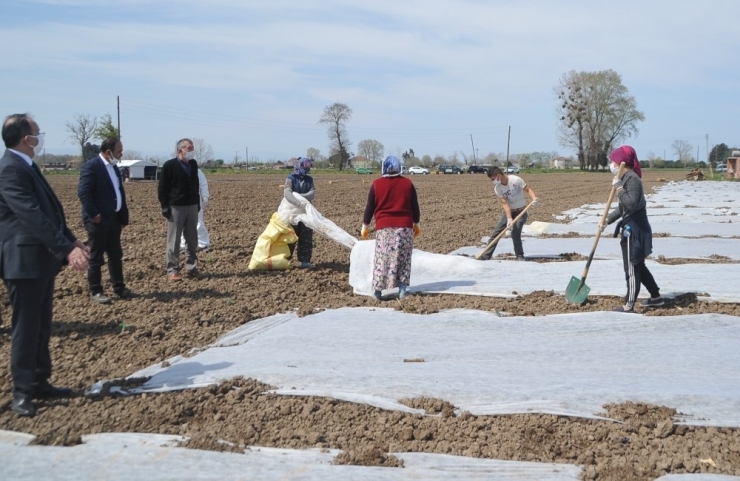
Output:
[[417, 230], [166, 211], [509, 223], [365, 232], [535, 202], [81, 245], [602, 227], [97, 219], [78, 259]]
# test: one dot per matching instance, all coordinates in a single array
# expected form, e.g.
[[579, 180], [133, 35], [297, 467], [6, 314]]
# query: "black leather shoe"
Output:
[[22, 405], [124, 293], [46, 390]]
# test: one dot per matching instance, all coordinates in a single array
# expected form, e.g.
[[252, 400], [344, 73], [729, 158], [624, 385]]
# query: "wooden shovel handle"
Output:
[[498, 237], [620, 173]]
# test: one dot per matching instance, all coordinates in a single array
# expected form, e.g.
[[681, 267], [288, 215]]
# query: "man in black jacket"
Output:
[[179, 197], [35, 243], [104, 213]]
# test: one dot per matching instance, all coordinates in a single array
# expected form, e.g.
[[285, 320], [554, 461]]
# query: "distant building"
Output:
[[562, 163], [360, 161]]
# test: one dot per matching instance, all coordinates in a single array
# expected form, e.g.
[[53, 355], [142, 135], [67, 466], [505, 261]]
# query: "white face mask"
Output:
[[190, 155], [39, 147], [496, 182], [113, 160], [613, 167]]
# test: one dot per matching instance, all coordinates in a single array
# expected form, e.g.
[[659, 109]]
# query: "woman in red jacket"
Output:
[[392, 201]]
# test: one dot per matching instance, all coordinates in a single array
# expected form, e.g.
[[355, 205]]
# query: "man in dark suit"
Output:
[[104, 213], [35, 243]]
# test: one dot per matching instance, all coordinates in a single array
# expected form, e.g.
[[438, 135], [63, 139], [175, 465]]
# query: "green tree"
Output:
[[89, 151], [595, 112], [106, 129], [719, 154], [336, 116]]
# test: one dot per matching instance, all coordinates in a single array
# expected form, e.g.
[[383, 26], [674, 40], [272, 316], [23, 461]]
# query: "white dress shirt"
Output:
[[114, 180]]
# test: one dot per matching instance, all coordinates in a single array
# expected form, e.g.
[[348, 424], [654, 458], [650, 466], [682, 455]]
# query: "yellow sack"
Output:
[[271, 251]]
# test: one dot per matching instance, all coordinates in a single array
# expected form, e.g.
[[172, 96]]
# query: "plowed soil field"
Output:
[[91, 342]]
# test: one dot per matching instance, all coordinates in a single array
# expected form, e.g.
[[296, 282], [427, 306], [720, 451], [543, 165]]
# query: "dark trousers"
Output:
[[636, 274], [305, 242], [30, 359], [516, 234], [105, 239]]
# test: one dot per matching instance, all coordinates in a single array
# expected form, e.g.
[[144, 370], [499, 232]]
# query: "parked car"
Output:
[[418, 170], [363, 170], [512, 169], [477, 169], [449, 169], [721, 168]]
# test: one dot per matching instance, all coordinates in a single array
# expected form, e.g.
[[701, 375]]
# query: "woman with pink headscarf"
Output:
[[633, 227]]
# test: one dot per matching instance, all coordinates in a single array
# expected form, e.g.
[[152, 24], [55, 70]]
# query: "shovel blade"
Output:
[[577, 291]]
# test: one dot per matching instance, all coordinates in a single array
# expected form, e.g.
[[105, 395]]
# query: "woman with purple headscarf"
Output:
[[392, 201], [299, 182], [634, 228]]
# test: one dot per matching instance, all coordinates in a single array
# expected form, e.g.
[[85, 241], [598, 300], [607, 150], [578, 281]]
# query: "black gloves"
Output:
[[166, 211]]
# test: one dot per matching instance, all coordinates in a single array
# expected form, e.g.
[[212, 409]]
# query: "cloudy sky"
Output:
[[422, 74]]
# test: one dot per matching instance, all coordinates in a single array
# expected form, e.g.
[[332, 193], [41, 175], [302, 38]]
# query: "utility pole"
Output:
[[471, 143], [508, 141], [246, 152], [118, 109], [236, 157], [697, 154], [707, 136]]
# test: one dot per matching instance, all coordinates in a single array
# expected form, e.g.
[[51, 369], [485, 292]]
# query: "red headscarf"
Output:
[[627, 155]]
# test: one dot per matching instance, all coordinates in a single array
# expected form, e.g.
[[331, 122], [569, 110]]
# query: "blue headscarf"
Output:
[[391, 166], [302, 166]]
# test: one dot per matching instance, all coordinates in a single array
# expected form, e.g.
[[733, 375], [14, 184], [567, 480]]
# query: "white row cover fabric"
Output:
[[136, 457], [453, 274], [686, 209], [566, 364], [608, 247], [307, 213]]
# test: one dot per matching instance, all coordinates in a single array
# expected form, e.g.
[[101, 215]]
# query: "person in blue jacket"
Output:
[[299, 182]]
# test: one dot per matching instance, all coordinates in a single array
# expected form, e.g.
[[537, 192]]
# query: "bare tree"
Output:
[[313, 153], [202, 149], [336, 116], [595, 112], [372, 149], [683, 150], [131, 155], [82, 130]]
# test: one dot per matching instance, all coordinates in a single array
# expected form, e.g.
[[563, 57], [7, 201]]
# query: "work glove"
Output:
[[417, 230], [617, 183], [166, 211], [602, 227], [509, 224], [365, 232], [535, 202]]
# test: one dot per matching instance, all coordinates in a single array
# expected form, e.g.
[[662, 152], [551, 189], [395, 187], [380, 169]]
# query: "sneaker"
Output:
[[626, 311], [100, 298], [378, 294], [307, 265], [205, 248], [175, 277], [521, 258], [193, 274], [402, 291], [652, 302], [124, 293]]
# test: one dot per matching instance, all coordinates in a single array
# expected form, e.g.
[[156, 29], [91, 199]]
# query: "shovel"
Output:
[[577, 290], [503, 232]]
